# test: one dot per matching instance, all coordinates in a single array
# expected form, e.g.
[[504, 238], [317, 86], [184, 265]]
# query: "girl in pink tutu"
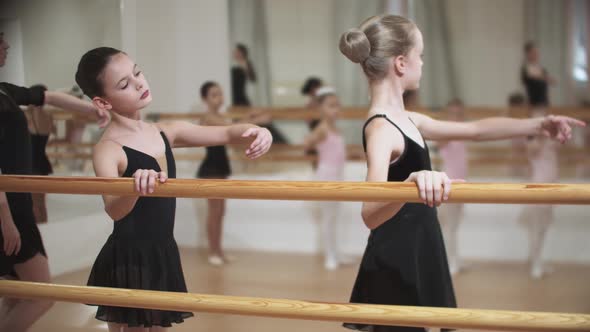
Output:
[[455, 164], [543, 161], [327, 140]]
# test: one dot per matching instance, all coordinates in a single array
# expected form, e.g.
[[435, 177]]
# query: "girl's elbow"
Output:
[[49, 97], [109, 212], [112, 213], [475, 133], [367, 219]]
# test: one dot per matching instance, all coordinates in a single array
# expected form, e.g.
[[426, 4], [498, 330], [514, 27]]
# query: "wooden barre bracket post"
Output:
[[504, 193]]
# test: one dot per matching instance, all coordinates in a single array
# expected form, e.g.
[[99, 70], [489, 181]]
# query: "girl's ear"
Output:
[[399, 65], [102, 104]]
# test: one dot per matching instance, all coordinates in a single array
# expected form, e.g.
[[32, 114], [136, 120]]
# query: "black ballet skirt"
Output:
[[405, 261], [41, 164], [141, 253], [15, 149], [216, 164]]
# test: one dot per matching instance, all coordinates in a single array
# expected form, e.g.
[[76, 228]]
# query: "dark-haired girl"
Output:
[[309, 90], [242, 72], [141, 253], [216, 165]]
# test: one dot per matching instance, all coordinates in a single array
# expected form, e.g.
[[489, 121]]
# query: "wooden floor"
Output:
[[482, 285]]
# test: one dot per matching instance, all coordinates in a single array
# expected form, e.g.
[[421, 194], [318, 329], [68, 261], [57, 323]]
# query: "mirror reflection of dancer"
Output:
[[216, 165], [310, 90], [535, 78], [542, 156], [329, 143], [544, 167], [242, 72], [455, 165]]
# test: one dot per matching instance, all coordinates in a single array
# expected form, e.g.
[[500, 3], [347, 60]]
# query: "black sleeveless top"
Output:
[[413, 158], [405, 261], [537, 90], [141, 253], [239, 78], [152, 217]]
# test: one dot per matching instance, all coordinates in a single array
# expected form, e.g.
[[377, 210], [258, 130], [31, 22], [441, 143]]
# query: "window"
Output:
[[580, 51]]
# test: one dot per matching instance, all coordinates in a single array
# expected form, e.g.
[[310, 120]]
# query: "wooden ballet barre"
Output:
[[471, 149], [193, 157], [431, 317], [502, 193], [275, 147], [360, 113], [489, 160]]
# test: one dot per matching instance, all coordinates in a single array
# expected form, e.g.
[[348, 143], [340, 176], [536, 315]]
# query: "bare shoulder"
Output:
[[106, 147], [381, 128], [165, 125], [169, 128], [108, 157], [322, 128], [382, 135], [418, 118]]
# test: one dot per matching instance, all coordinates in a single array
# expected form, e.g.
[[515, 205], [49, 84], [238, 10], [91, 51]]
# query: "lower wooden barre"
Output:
[[308, 310], [352, 113], [504, 193], [360, 113], [351, 148], [570, 161]]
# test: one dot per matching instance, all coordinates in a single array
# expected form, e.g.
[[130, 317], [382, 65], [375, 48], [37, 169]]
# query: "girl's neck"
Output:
[[331, 122], [131, 122], [386, 96], [212, 110]]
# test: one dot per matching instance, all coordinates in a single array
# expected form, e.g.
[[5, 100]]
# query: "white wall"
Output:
[[301, 44], [182, 43], [488, 37], [56, 33], [179, 44]]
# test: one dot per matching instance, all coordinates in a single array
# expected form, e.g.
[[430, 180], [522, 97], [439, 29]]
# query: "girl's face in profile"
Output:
[[238, 55], [214, 99], [125, 88], [414, 63], [533, 54], [330, 106]]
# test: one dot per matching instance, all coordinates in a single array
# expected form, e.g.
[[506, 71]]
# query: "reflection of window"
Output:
[[580, 56], [580, 70]]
